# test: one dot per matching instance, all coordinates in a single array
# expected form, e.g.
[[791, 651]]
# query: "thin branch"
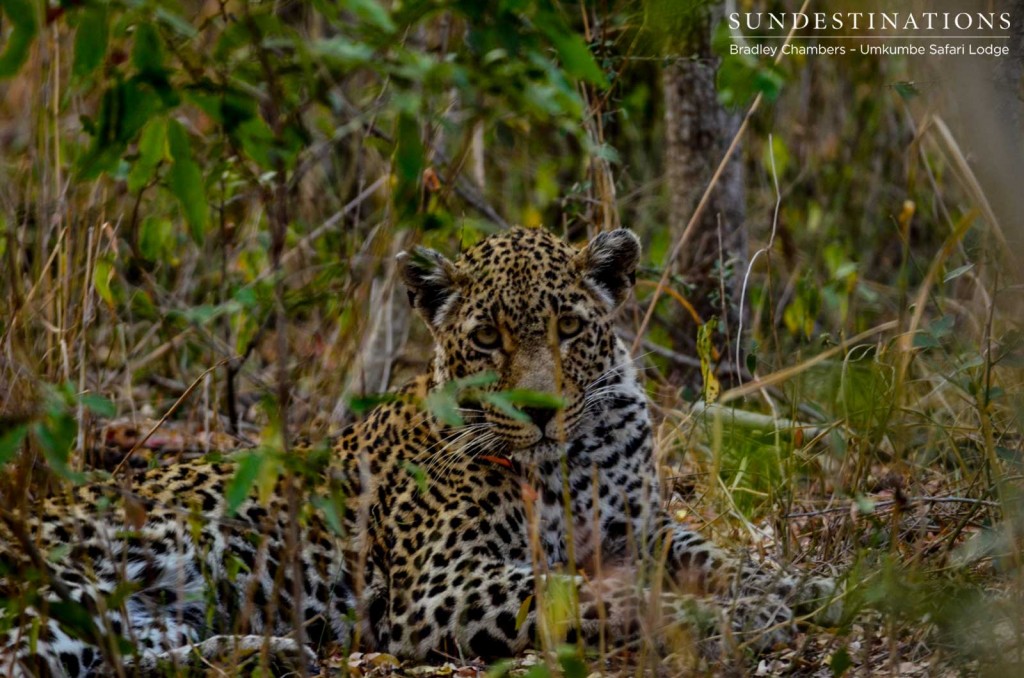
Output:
[[167, 414], [893, 503]]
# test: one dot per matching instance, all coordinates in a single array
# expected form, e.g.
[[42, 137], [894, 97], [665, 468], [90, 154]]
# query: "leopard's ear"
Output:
[[608, 265], [431, 282]]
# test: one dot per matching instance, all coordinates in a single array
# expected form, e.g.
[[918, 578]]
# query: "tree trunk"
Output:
[[698, 130]]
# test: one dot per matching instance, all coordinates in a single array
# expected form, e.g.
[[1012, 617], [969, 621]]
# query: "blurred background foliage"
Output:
[[205, 198]]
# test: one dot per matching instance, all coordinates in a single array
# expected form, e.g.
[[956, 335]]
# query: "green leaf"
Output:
[[143, 306], [235, 565], [152, 151], [443, 405], [74, 616], [125, 109], [503, 668], [329, 507], [180, 25], [501, 401], [943, 326], [751, 362], [923, 339], [257, 140], [372, 12], [58, 553], [409, 164], [864, 505], [360, 405], [510, 402], [957, 272], [204, 313], [156, 238], [340, 51], [102, 274], [572, 665], [98, 404], [56, 435], [241, 484], [538, 671], [526, 398], [90, 40], [147, 52], [840, 662], [119, 596], [572, 50], [906, 90], [186, 182], [22, 16], [845, 270], [10, 443], [740, 78], [418, 475], [524, 611]]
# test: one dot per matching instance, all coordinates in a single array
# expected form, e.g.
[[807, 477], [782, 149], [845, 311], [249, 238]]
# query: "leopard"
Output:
[[519, 470]]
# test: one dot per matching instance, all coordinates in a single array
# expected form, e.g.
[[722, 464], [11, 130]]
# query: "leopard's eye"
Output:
[[486, 337], [569, 326]]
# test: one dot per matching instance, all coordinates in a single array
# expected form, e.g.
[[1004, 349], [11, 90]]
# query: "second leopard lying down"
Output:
[[432, 541]]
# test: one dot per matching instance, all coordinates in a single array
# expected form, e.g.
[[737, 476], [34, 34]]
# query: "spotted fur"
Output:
[[416, 534]]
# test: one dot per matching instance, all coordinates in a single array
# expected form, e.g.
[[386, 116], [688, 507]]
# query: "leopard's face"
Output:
[[537, 313]]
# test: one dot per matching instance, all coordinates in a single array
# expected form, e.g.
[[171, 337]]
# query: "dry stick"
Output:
[[687, 306], [168, 413], [705, 198], [892, 503]]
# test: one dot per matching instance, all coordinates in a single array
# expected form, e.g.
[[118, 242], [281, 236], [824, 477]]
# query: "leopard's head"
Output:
[[531, 309]]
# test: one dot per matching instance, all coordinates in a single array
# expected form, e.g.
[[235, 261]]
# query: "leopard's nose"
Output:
[[539, 415]]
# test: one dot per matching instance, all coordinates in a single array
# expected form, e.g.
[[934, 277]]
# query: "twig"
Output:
[[167, 414], [757, 420]]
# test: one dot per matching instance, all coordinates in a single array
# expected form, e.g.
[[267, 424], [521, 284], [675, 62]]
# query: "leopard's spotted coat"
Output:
[[438, 523]]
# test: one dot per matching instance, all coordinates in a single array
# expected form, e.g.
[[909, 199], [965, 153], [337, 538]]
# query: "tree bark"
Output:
[[698, 130]]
